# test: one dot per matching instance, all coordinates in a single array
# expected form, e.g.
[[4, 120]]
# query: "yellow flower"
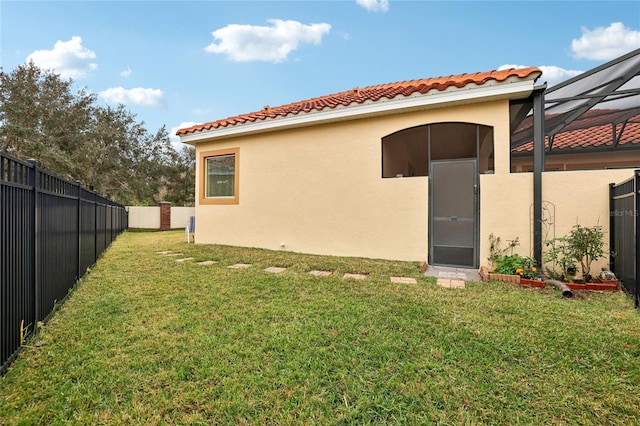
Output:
[[533, 269]]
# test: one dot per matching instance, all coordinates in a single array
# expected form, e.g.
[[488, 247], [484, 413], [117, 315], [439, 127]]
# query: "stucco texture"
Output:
[[319, 189]]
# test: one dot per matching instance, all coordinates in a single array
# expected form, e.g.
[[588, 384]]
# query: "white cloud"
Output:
[[70, 59], [244, 43], [125, 73], [603, 44], [374, 5], [550, 73], [175, 140], [135, 96]]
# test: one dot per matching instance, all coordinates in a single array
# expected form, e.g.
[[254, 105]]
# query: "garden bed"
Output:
[[508, 278], [602, 285]]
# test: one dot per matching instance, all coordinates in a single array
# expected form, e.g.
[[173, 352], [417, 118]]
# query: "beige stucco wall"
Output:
[[505, 205], [319, 189], [577, 197], [582, 197]]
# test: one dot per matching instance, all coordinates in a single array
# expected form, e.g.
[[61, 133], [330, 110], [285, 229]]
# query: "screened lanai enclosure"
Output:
[[590, 122]]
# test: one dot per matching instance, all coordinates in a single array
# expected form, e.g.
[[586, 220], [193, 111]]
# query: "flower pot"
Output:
[[603, 281]]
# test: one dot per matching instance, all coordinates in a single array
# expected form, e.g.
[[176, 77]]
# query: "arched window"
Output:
[[407, 153]]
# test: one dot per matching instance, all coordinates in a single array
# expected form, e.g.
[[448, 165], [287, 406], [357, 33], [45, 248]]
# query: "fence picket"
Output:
[[49, 237], [624, 225]]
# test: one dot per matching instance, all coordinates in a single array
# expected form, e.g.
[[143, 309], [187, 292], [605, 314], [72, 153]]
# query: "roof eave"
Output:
[[508, 89]]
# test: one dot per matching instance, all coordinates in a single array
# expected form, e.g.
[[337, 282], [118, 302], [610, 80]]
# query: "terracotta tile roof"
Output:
[[367, 94], [592, 130]]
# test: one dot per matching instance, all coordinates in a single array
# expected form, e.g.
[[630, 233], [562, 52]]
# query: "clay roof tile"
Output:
[[366, 94]]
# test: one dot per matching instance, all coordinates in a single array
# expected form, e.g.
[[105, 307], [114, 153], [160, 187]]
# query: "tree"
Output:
[[105, 148], [40, 117], [181, 187]]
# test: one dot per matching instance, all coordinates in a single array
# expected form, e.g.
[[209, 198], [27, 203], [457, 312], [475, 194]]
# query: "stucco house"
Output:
[[414, 170]]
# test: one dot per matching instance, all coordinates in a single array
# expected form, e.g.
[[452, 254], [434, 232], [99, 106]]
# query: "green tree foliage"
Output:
[[105, 148]]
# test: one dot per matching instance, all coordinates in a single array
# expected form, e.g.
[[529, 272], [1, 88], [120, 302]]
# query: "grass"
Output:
[[147, 340]]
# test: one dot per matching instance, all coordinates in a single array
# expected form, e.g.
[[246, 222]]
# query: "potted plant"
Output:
[[582, 245], [586, 246]]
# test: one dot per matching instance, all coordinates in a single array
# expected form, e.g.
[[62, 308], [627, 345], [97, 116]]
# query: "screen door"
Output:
[[454, 213]]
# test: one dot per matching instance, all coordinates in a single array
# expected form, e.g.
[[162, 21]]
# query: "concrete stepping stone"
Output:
[[320, 273], [173, 254], [452, 275], [207, 262], [163, 252], [403, 280], [275, 270], [239, 266], [184, 259], [354, 277], [447, 283]]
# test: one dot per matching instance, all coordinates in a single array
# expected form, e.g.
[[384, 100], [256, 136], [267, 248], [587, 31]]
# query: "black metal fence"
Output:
[[624, 212], [51, 231]]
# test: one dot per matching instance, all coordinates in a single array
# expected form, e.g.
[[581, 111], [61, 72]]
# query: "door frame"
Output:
[[476, 211]]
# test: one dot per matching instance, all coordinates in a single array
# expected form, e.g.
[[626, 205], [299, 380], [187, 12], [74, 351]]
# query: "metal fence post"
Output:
[[95, 227], [33, 182], [79, 228], [636, 190]]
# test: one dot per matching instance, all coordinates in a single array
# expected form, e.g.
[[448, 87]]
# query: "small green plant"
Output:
[[496, 251], [582, 245], [559, 255], [511, 264], [515, 264]]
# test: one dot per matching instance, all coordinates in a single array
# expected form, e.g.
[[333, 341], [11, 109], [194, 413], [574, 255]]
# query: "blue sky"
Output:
[[177, 63]]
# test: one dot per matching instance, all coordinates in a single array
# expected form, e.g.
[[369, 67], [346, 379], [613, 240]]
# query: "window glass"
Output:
[[220, 176], [219, 181]]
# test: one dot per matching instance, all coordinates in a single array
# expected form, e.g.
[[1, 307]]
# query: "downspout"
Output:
[[538, 168]]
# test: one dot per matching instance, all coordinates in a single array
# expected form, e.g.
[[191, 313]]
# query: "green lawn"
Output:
[[147, 340]]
